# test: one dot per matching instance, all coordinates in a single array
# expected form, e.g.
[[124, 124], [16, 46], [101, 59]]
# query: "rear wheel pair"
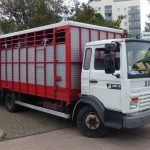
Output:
[[10, 103], [90, 124]]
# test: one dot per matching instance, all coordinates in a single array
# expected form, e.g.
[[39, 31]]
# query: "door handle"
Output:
[[93, 81]]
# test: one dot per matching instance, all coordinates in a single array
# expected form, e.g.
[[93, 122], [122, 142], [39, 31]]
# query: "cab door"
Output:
[[105, 87]]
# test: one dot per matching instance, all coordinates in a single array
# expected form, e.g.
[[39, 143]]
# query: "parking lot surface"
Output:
[[33, 130], [28, 122], [72, 139]]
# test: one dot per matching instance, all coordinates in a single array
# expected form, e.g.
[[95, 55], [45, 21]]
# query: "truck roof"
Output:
[[101, 42], [63, 23]]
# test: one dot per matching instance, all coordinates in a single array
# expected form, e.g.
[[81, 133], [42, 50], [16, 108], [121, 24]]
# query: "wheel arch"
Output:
[[93, 102], [3, 94]]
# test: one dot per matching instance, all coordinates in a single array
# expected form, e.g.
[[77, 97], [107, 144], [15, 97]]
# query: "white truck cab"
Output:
[[115, 86]]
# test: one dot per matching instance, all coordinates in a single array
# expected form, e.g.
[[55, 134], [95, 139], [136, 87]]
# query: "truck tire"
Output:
[[10, 103], [90, 124]]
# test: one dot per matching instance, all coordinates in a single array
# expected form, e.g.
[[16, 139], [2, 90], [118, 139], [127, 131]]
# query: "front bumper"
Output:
[[136, 120]]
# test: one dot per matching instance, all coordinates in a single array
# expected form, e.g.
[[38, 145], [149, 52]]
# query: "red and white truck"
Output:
[[98, 84]]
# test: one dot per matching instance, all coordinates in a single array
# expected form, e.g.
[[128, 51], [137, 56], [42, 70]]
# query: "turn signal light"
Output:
[[134, 99], [134, 102]]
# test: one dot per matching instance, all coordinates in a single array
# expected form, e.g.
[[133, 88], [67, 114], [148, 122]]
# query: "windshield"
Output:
[[138, 54]]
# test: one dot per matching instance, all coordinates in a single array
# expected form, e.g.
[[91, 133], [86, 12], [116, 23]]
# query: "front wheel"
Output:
[[90, 124]]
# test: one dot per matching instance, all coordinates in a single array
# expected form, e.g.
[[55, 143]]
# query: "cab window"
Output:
[[99, 59], [87, 59]]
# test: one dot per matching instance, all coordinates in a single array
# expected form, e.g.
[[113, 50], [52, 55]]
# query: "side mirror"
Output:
[[110, 47], [109, 64]]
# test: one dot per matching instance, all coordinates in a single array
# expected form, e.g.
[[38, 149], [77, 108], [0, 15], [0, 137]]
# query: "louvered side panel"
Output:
[[16, 71], [3, 54], [102, 35], [61, 71], [118, 36], [9, 72], [61, 52], [50, 74], [3, 72], [31, 76], [75, 46], [110, 35], [40, 74], [23, 73], [94, 35], [9, 55], [15, 55], [75, 76], [50, 53], [85, 38], [23, 54], [31, 57], [3, 66], [40, 54]]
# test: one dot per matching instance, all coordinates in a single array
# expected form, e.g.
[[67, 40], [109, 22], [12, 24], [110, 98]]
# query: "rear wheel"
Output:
[[10, 103], [90, 124]]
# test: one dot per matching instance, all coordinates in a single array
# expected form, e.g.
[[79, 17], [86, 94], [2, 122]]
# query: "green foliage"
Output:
[[17, 15], [126, 34], [23, 14], [147, 27], [86, 14]]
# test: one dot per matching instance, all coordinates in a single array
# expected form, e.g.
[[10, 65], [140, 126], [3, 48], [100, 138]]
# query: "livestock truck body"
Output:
[[57, 69]]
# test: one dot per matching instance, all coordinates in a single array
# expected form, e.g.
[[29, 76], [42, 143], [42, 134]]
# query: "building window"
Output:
[[125, 24], [98, 9], [108, 13], [125, 10], [118, 10], [125, 16]]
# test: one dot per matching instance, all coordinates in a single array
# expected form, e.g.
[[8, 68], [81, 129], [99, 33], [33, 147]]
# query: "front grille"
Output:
[[144, 101]]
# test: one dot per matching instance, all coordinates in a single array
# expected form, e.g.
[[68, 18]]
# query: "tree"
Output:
[[85, 13], [126, 34], [147, 27], [23, 14]]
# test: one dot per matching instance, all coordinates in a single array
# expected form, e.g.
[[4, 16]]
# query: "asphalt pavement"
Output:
[[28, 122], [72, 139]]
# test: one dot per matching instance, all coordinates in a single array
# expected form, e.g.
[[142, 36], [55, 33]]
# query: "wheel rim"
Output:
[[92, 121]]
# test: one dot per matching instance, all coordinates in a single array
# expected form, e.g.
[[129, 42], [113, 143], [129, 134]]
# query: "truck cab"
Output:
[[115, 86]]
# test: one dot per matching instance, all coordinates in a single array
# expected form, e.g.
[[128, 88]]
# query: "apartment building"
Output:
[[135, 12]]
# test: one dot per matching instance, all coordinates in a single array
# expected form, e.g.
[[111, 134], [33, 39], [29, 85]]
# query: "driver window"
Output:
[[99, 59], [87, 59]]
